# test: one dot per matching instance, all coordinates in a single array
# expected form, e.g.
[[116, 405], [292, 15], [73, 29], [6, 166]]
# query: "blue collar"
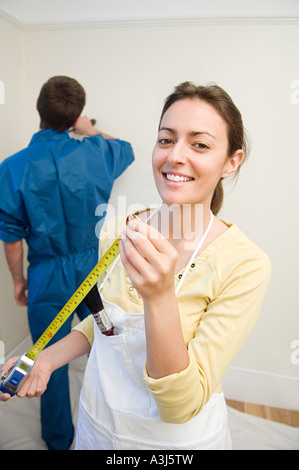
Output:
[[48, 134]]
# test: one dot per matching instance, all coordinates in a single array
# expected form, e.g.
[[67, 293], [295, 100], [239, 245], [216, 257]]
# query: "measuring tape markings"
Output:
[[13, 379], [75, 300]]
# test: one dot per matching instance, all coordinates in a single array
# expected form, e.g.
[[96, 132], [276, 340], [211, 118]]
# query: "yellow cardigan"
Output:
[[219, 303]]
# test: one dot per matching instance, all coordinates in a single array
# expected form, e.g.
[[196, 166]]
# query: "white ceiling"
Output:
[[39, 14]]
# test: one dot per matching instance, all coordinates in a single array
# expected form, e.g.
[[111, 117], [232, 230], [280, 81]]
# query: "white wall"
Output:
[[13, 319], [127, 73]]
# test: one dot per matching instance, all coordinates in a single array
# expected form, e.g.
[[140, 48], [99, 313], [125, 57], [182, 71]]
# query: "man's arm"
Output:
[[14, 256], [83, 126]]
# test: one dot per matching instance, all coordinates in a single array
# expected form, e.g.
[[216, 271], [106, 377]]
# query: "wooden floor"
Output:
[[279, 415]]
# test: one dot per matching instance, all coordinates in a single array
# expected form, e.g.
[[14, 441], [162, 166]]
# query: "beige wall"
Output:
[[13, 319], [127, 72]]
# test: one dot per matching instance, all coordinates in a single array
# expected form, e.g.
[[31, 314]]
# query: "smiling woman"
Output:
[[209, 107], [182, 308]]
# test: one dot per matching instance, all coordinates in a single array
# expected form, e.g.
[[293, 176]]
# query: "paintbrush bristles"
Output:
[[93, 300]]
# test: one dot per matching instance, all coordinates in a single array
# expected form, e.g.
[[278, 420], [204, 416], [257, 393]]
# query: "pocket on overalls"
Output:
[[122, 386]]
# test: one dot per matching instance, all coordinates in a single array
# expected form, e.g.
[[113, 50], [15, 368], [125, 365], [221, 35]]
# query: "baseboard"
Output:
[[260, 387]]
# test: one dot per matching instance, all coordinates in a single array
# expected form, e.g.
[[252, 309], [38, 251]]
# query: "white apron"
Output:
[[116, 409]]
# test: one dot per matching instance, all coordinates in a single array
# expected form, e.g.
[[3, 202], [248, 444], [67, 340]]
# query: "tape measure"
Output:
[[75, 300], [15, 377]]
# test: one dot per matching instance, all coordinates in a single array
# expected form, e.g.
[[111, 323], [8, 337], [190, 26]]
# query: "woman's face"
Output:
[[190, 156]]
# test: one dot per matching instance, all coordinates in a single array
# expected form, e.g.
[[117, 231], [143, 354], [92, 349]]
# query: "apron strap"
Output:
[[199, 245]]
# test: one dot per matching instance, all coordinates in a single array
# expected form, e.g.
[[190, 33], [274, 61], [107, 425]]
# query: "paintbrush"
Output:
[[93, 302], [92, 121]]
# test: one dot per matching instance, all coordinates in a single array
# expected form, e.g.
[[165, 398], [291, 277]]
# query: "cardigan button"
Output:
[[193, 265]]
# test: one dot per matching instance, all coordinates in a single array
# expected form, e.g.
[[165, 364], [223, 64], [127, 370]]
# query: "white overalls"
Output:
[[116, 409]]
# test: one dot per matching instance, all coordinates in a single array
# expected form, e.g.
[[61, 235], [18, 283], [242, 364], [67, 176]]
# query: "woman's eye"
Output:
[[165, 141], [201, 146]]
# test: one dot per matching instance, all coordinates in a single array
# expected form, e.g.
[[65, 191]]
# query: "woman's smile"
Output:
[[172, 177]]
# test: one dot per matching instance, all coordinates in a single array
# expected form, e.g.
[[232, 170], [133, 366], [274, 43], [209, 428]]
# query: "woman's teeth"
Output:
[[171, 177]]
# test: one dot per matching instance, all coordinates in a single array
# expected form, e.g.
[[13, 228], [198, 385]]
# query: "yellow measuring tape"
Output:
[[75, 300]]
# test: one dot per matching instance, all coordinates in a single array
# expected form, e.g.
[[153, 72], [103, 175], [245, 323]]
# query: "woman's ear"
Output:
[[233, 164]]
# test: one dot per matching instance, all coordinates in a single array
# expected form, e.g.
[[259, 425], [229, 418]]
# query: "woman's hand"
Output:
[[36, 381], [72, 346], [9, 364], [150, 260]]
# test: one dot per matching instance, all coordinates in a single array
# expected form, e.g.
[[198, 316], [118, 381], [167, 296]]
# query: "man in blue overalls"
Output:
[[48, 195]]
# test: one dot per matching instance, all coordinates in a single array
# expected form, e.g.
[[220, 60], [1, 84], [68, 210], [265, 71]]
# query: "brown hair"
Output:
[[223, 104], [60, 103]]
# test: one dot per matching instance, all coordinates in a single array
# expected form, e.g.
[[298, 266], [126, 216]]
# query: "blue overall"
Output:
[[48, 196]]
